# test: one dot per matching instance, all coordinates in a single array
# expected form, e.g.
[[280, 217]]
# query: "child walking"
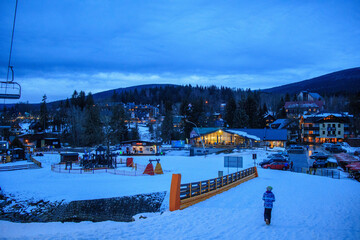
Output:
[[268, 198]]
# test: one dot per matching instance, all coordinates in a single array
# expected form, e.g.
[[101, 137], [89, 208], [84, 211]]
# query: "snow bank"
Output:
[[306, 207]]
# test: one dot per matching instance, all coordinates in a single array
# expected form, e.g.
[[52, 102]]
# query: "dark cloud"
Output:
[[202, 38]]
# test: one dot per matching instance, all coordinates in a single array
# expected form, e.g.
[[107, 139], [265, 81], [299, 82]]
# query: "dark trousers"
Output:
[[267, 214]]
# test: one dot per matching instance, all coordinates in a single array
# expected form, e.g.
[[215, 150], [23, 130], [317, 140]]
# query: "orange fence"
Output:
[[185, 195]]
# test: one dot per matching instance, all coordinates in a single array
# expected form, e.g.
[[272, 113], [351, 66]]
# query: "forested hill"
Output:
[[107, 95], [345, 81]]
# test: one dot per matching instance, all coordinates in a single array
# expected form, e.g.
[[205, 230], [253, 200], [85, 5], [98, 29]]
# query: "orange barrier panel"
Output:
[[175, 192], [149, 169], [129, 162], [158, 169], [188, 194]]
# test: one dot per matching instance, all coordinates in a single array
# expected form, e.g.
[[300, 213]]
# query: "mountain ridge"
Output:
[[347, 80]]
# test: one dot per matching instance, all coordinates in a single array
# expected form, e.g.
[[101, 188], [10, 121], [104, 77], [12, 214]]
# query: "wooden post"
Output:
[[175, 192], [256, 172]]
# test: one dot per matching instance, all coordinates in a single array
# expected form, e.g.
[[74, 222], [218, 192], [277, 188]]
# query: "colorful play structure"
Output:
[[101, 162], [185, 195]]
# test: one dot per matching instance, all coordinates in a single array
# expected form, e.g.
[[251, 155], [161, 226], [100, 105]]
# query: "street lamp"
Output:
[[198, 134]]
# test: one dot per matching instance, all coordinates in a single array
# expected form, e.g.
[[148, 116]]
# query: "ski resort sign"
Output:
[[233, 162]]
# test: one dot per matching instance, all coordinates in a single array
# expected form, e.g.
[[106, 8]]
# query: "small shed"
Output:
[[65, 157]]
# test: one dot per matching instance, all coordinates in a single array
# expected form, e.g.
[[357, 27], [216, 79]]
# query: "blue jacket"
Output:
[[269, 198]]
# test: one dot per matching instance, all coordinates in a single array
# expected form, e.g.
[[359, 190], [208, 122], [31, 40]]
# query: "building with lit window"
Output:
[[232, 138], [325, 127], [305, 102]]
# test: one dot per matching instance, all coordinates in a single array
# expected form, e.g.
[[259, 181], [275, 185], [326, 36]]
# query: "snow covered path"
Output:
[[306, 207]]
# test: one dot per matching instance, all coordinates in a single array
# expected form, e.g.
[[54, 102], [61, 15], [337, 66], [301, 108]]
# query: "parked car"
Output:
[[295, 149], [277, 165], [336, 149], [319, 155], [279, 155], [320, 163], [271, 160], [327, 146], [344, 144], [357, 153]]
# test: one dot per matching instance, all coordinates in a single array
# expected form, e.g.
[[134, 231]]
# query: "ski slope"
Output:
[[306, 207]]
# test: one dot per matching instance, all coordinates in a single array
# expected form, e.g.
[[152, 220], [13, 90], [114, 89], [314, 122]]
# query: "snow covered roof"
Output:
[[243, 134], [263, 133], [304, 104], [324, 115], [315, 95], [280, 123]]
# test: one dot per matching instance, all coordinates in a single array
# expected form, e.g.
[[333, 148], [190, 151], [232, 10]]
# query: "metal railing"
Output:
[[136, 171], [333, 173]]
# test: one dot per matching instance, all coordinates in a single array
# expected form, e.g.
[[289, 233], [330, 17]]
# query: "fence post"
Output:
[[256, 172], [175, 192]]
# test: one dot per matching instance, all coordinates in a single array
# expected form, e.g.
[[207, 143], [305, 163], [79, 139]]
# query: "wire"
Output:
[[12, 40]]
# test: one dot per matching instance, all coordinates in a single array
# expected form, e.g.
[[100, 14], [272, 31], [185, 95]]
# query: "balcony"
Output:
[[311, 128]]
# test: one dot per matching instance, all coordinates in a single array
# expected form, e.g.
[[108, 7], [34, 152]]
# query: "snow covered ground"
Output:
[[306, 207]]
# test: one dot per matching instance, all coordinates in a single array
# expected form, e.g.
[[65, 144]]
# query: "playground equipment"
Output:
[[99, 159], [150, 168]]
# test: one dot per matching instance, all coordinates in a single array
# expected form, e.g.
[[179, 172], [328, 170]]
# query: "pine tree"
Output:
[[241, 119], [252, 110], [43, 113], [118, 126], [230, 111], [167, 124], [93, 126]]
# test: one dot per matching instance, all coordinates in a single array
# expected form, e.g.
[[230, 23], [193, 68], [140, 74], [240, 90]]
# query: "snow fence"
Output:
[[185, 195]]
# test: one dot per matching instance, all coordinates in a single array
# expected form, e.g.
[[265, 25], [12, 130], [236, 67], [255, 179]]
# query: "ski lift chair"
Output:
[[10, 89]]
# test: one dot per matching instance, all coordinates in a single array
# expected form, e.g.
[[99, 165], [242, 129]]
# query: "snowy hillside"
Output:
[[306, 207]]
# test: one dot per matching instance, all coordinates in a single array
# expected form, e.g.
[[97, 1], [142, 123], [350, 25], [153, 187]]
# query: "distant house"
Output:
[[40, 140], [142, 112], [269, 119], [137, 147], [244, 137], [325, 127], [306, 103], [35, 127], [177, 121], [290, 125]]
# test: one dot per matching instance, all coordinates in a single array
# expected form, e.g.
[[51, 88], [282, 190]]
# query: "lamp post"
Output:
[[198, 134]]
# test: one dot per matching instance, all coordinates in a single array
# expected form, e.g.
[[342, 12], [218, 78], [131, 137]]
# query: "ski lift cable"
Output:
[[11, 44]]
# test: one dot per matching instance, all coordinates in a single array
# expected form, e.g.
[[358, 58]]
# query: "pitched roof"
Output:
[[203, 131], [261, 134], [280, 123], [304, 104], [267, 134], [315, 96]]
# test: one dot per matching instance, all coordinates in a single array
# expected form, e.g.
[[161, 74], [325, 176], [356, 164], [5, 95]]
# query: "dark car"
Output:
[[320, 163], [357, 153], [336, 149], [319, 155], [277, 165], [295, 149], [271, 160]]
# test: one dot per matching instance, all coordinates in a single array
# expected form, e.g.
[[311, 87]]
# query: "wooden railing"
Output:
[[35, 161], [185, 195]]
